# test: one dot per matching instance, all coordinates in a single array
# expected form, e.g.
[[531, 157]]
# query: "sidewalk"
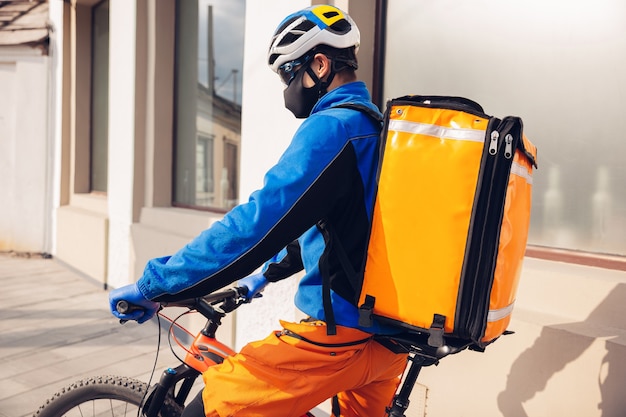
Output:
[[55, 328]]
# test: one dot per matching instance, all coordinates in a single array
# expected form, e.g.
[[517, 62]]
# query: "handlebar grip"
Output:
[[124, 307], [242, 291]]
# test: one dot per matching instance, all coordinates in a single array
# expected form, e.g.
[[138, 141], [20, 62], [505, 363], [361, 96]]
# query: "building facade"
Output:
[[141, 122]]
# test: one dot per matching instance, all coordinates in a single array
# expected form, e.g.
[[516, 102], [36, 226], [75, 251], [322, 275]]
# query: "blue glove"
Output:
[[144, 309], [255, 283]]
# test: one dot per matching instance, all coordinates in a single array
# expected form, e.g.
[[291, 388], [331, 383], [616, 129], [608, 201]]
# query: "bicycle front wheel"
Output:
[[113, 396]]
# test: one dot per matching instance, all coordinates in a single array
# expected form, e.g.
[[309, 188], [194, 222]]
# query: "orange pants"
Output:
[[285, 375]]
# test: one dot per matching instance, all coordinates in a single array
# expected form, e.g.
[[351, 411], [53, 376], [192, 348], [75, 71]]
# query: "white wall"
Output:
[[23, 149], [267, 128], [121, 138], [566, 357]]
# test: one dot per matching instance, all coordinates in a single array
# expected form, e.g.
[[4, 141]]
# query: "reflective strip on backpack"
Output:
[[499, 314], [520, 171], [473, 135]]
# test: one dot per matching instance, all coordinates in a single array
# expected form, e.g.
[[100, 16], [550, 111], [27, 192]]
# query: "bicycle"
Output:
[[124, 396]]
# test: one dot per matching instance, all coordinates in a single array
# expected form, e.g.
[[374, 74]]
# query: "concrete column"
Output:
[[122, 35]]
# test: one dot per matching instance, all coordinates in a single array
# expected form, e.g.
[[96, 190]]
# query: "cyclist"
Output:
[[327, 177]]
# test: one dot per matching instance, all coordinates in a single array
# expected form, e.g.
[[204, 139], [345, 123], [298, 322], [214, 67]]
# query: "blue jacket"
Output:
[[328, 173]]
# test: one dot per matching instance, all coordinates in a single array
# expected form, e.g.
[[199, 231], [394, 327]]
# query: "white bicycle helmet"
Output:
[[302, 31]]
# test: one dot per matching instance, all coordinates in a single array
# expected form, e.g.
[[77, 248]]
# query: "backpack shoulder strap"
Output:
[[334, 246], [337, 247], [373, 114]]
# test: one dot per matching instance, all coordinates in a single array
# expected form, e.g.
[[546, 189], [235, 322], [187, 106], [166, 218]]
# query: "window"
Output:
[[229, 174], [209, 63], [99, 97], [204, 171], [550, 76]]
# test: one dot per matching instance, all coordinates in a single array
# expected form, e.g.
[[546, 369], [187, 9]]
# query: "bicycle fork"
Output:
[[157, 394]]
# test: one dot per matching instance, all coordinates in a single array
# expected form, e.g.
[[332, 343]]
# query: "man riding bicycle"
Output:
[[319, 196]]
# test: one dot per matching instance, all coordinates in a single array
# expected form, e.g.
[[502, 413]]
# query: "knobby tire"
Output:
[[80, 398]]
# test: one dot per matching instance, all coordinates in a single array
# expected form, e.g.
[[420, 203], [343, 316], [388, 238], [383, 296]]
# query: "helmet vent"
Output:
[[273, 58], [305, 26], [341, 26], [284, 25], [296, 32]]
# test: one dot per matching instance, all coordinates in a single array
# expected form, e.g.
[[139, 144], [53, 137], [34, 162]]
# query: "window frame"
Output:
[[224, 116]]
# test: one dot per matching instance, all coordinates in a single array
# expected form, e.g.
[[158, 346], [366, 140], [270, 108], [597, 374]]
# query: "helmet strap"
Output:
[[322, 86]]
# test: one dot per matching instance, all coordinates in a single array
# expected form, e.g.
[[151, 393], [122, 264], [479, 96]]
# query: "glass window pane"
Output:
[[209, 63], [100, 97], [204, 171], [229, 174], [560, 72]]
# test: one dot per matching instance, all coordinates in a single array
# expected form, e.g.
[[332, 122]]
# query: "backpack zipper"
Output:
[[483, 240]]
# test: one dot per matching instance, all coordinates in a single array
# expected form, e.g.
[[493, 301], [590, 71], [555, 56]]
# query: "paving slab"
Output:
[[55, 328]]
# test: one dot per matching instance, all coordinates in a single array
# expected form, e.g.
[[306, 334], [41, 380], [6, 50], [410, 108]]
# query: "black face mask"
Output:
[[300, 100]]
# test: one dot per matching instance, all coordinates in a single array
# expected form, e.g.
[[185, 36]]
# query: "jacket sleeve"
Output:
[[298, 191]]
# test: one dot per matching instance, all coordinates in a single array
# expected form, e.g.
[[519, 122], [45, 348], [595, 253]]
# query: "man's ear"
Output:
[[321, 65]]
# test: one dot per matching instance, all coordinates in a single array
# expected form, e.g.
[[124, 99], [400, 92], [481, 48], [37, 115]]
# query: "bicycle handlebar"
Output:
[[234, 295]]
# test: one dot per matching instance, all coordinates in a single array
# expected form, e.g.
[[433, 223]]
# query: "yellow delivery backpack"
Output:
[[450, 221]]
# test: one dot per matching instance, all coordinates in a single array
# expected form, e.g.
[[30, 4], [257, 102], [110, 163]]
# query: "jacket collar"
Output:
[[355, 91]]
